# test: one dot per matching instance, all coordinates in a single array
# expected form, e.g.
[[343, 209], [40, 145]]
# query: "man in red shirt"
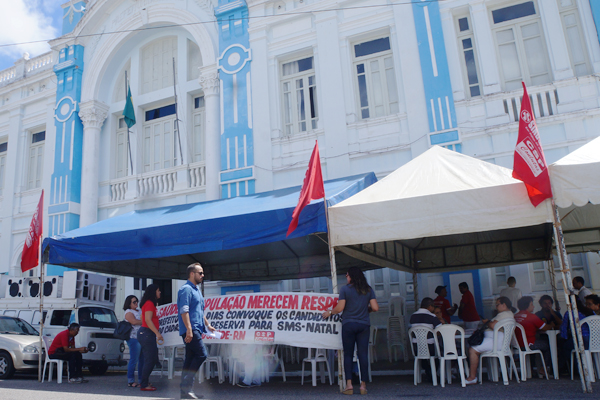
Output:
[[442, 302], [63, 348], [467, 310], [532, 323]]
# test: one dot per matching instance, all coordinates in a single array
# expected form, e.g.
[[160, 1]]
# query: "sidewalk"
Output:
[[113, 386]]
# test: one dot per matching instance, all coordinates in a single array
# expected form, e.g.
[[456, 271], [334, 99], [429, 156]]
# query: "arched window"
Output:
[[157, 64]]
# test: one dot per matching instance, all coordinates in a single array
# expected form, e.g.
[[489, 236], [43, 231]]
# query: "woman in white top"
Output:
[[503, 306], [134, 317]]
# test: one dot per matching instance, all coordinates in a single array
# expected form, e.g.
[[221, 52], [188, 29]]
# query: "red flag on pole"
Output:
[[530, 164], [30, 257], [312, 188]]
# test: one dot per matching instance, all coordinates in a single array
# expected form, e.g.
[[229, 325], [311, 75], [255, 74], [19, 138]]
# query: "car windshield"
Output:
[[97, 317], [16, 326]]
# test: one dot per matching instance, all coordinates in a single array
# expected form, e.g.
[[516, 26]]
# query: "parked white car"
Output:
[[19, 346]]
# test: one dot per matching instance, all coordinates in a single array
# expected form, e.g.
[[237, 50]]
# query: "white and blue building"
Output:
[[258, 81]]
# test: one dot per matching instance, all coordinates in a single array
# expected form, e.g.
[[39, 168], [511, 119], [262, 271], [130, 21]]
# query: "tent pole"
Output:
[[553, 284], [570, 300], [41, 264], [334, 284], [416, 289]]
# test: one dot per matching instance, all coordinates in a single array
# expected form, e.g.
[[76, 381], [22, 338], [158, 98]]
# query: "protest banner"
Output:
[[264, 318]]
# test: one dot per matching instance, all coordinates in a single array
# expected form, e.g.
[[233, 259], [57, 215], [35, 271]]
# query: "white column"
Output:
[[210, 83], [14, 165], [92, 114], [555, 40], [332, 110], [262, 75], [488, 62]]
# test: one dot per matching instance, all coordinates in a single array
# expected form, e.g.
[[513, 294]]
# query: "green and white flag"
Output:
[[129, 112]]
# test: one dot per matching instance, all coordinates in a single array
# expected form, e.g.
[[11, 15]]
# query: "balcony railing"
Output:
[[544, 104], [39, 64], [157, 183], [7, 75]]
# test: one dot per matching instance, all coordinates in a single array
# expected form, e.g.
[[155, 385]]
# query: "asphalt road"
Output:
[[113, 386]]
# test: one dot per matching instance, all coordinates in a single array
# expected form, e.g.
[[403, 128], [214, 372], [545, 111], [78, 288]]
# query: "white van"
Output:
[[81, 297], [97, 321]]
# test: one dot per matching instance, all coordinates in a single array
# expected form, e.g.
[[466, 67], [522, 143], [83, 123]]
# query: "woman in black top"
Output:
[[357, 300]]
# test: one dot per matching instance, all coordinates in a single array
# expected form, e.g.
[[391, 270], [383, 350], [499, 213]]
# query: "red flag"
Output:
[[530, 164], [30, 257], [312, 188]]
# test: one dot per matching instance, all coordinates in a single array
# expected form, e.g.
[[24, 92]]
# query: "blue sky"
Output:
[[24, 21]]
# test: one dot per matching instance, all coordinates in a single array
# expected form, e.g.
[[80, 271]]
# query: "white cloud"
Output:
[[25, 21]]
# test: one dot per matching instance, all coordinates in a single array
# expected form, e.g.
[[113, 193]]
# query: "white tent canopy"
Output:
[[576, 187], [443, 211]]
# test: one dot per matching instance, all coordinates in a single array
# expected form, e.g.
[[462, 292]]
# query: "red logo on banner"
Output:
[[30, 256], [264, 336], [529, 161]]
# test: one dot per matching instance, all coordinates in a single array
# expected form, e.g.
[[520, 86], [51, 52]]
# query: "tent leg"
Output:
[[334, 284], [416, 289], [570, 300], [42, 265], [553, 284]]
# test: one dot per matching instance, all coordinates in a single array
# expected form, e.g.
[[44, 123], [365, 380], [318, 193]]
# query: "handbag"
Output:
[[123, 330], [476, 337]]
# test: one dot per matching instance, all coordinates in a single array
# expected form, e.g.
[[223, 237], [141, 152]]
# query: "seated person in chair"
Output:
[[503, 306], [424, 316], [593, 303], [547, 314], [63, 348], [532, 324]]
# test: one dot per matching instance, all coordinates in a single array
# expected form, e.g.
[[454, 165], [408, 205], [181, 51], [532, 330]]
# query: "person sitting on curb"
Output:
[[63, 348]]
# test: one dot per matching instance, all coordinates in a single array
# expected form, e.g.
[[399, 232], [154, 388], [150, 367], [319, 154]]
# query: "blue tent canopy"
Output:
[[242, 238]]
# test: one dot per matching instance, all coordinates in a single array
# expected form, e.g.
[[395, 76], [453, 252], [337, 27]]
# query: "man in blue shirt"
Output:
[[192, 324]]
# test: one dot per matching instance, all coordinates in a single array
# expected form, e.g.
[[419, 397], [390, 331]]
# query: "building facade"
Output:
[[230, 96]]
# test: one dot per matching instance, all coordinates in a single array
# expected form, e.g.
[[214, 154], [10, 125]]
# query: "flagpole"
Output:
[[41, 265], [334, 284], [570, 301], [128, 144], [176, 113]]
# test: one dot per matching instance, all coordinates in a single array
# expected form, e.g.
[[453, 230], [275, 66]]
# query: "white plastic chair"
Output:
[[59, 364], [501, 350], [271, 356], [396, 337], [525, 362], [421, 333], [396, 328], [593, 353], [213, 357], [372, 345], [450, 352], [320, 357]]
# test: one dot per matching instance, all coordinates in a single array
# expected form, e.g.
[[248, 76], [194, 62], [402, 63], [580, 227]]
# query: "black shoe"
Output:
[[190, 395], [243, 385]]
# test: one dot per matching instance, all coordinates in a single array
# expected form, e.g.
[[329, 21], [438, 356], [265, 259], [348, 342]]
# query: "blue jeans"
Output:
[[195, 355], [355, 333], [135, 358], [147, 339]]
